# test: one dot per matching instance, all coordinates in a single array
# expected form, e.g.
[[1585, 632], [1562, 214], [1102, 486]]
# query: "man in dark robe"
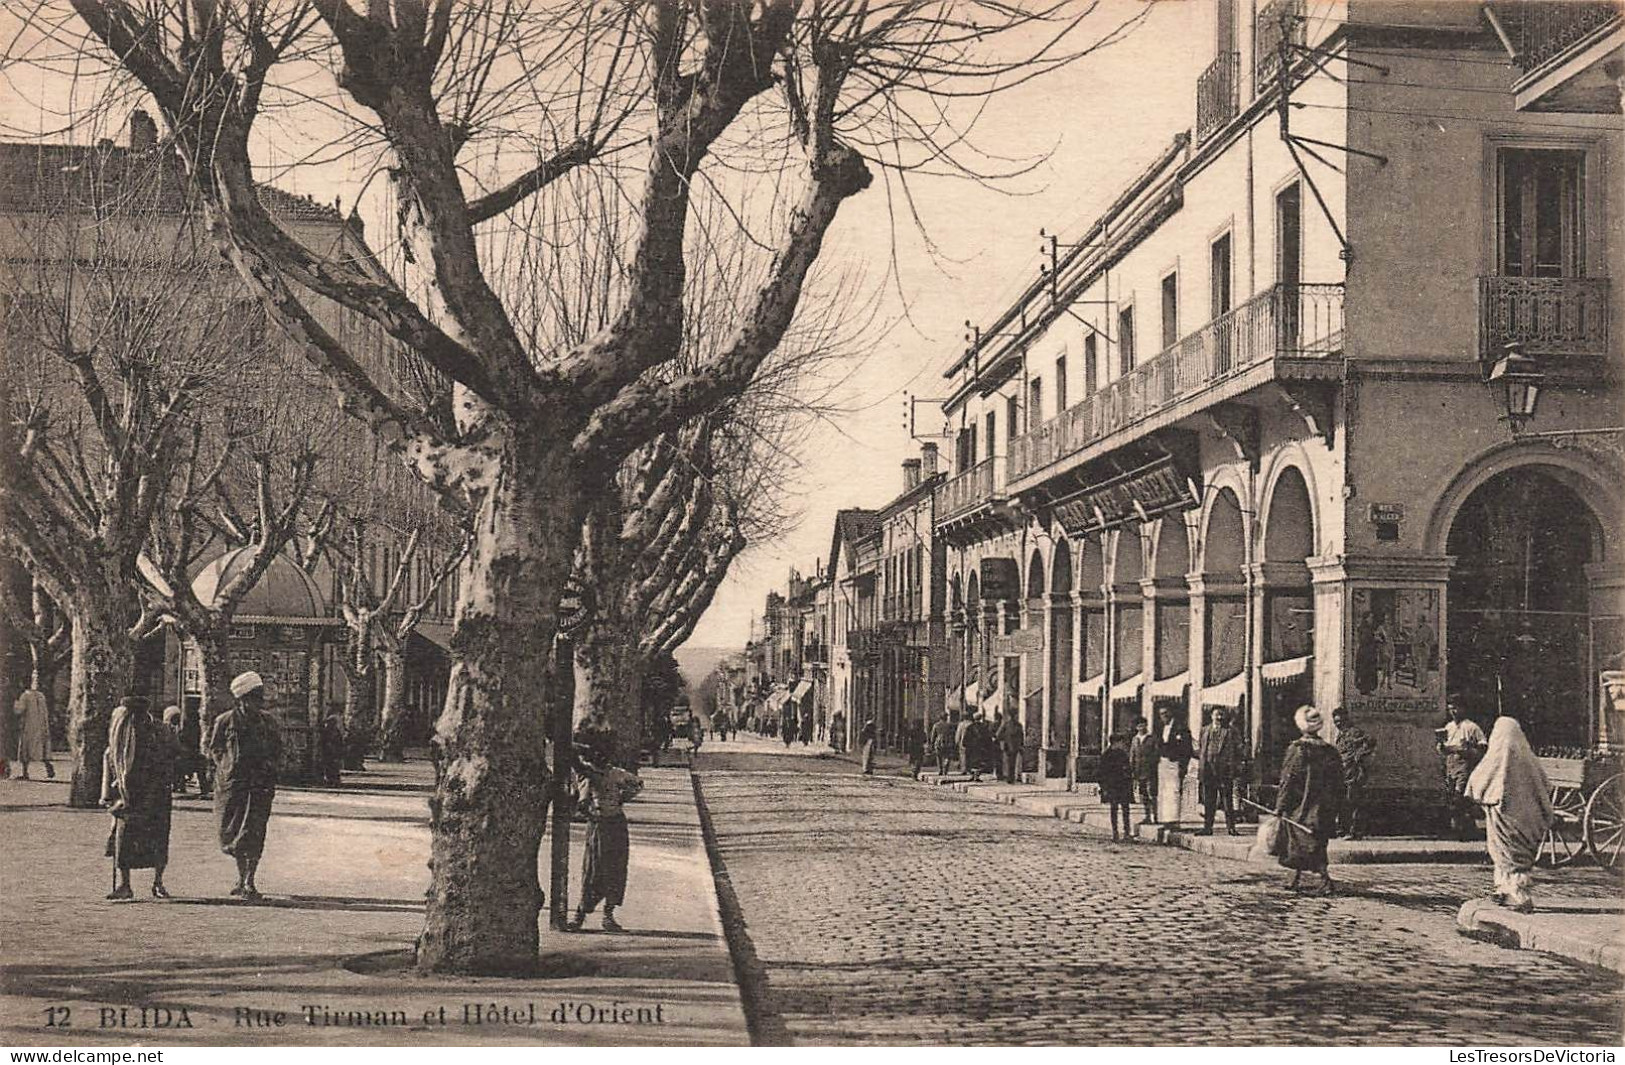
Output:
[[246, 746], [1011, 739], [1309, 801], [192, 761], [331, 747], [138, 777], [1356, 749]]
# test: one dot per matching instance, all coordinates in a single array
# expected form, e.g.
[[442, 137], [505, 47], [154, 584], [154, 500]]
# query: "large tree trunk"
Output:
[[609, 678], [489, 804], [214, 674], [360, 696], [392, 728], [103, 662]]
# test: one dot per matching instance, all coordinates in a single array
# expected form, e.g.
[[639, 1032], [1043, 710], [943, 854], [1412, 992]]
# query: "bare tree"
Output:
[[115, 333], [716, 95], [44, 628], [392, 553]]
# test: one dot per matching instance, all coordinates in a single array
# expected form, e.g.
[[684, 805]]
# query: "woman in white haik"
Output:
[[1517, 801]]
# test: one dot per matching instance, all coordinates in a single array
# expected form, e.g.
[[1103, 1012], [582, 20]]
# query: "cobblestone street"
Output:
[[881, 911]]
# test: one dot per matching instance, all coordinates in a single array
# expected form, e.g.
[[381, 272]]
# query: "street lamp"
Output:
[[1520, 379]]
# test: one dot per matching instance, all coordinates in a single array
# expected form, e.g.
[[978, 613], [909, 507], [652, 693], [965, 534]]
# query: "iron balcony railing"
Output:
[[974, 487], [1278, 21], [1547, 30], [1217, 95], [1547, 315], [1286, 320]]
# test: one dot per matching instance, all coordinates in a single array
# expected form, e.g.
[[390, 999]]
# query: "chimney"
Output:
[[143, 131], [928, 461], [911, 474]]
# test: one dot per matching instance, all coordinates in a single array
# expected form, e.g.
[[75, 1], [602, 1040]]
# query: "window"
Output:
[[1219, 292], [992, 434], [1288, 262], [1091, 364], [1170, 311], [1289, 236], [1540, 212], [1035, 403], [1060, 384], [1012, 417], [1125, 340]]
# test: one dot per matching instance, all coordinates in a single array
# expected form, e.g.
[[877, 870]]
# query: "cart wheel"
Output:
[[1563, 842], [1605, 821]]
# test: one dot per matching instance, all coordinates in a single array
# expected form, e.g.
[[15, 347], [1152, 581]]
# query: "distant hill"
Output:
[[696, 663]]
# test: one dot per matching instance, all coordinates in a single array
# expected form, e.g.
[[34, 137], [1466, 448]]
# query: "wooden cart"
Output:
[[1588, 804]]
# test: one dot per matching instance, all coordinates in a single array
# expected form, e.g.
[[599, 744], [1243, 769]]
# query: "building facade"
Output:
[[1247, 441]]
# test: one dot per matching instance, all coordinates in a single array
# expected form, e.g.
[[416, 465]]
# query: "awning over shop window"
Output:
[[776, 699], [1228, 693], [1127, 689], [1283, 672], [436, 632], [971, 694], [1170, 687], [1091, 687], [801, 690]]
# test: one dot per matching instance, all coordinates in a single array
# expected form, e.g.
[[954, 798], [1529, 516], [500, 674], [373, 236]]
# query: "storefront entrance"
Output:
[[1518, 623]]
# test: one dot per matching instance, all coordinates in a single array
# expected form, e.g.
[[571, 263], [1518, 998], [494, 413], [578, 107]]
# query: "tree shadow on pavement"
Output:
[[308, 902]]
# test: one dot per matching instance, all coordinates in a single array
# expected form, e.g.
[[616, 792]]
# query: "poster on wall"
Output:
[[1394, 661]]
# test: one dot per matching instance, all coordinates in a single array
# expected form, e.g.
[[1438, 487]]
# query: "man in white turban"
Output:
[[246, 746]]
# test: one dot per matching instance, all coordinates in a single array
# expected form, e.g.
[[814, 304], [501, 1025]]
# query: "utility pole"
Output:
[[563, 690]]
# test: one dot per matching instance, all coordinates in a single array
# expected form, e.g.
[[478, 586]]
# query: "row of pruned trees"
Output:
[[776, 112]]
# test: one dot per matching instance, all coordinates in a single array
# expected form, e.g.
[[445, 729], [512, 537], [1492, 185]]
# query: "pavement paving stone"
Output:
[[877, 910], [345, 873]]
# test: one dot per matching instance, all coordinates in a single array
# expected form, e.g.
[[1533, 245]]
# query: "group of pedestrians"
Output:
[[971, 745], [140, 771]]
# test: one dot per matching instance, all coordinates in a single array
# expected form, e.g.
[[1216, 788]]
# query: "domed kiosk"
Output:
[[278, 631]]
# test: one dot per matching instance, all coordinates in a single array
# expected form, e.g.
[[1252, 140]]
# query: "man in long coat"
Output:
[[33, 732], [138, 779], [1011, 738], [246, 746], [1222, 753]]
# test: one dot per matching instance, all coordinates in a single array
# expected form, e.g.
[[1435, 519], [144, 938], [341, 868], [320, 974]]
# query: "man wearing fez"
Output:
[[246, 746]]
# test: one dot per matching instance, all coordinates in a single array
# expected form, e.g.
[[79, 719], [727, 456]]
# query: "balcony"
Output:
[[1290, 321], [1547, 30], [1563, 316], [971, 489], [1217, 95], [1568, 52], [1280, 24]]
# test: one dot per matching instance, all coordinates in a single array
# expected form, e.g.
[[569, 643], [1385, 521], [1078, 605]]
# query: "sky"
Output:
[[1102, 122], [1094, 125]]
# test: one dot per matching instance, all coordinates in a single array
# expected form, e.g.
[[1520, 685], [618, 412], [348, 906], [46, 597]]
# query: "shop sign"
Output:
[[1378, 513], [1154, 490], [1022, 641], [1000, 579]]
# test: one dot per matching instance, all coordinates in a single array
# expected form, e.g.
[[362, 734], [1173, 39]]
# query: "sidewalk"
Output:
[[1084, 809], [1591, 931], [1587, 930], [344, 872]]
